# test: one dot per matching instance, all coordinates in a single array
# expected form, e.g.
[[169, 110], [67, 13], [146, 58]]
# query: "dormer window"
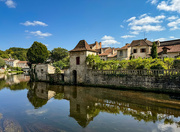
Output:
[[77, 60]]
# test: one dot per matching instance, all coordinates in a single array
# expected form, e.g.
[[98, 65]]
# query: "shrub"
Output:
[[58, 70]]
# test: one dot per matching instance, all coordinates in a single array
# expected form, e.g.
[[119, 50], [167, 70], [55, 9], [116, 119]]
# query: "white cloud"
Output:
[[121, 26], [134, 32], [172, 18], [128, 36], [145, 19], [9, 3], [160, 39], [40, 34], [174, 25], [34, 23], [145, 23], [148, 28], [168, 127], [169, 5], [108, 40], [107, 37], [172, 37], [36, 112], [131, 19], [153, 2]]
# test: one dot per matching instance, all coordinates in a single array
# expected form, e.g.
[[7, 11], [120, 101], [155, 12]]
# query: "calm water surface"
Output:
[[40, 107]]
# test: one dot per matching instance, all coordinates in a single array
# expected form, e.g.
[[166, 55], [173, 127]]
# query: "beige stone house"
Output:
[[169, 49], [108, 53], [124, 52], [141, 48], [22, 64], [78, 67], [42, 71], [95, 46], [11, 62]]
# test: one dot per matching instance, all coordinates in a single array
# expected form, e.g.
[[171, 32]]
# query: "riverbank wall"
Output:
[[144, 80]]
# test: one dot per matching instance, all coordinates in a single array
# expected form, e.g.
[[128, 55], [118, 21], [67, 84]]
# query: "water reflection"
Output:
[[86, 103], [15, 82]]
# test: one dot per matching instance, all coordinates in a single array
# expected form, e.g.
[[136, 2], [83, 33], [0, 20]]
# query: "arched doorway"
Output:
[[74, 77]]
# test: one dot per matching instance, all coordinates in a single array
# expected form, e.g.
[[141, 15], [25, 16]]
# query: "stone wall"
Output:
[[162, 83]]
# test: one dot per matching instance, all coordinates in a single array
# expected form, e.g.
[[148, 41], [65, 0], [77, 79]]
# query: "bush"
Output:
[[176, 64], [58, 70]]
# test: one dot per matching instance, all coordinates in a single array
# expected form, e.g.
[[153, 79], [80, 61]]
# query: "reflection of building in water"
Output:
[[39, 94], [81, 108], [86, 103], [17, 79], [42, 91]]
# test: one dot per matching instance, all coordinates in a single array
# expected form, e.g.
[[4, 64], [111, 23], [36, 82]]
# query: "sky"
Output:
[[63, 23]]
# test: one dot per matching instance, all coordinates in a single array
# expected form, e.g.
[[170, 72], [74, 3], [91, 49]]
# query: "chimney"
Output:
[[126, 43], [145, 39], [100, 45], [96, 44], [113, 51], [102, 51]]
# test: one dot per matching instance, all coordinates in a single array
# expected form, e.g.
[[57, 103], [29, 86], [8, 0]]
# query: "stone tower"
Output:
[[78, 67]]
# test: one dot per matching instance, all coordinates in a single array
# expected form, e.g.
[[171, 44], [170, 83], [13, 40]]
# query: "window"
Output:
[[77, 60], [134, 50], [121, 53], [143, 50]]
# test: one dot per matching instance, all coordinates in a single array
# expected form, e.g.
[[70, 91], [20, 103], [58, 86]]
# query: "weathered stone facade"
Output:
[[78, 68], [149, 82], [43, 70]]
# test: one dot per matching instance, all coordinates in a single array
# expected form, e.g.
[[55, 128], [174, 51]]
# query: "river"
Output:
[[41, 107]]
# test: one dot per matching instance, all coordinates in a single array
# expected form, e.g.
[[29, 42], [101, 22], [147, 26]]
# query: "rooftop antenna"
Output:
[[144, 35]]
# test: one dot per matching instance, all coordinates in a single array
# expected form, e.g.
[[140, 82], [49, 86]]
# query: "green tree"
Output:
[[2, 62], [58, 54], [154, 51], [37, 53]]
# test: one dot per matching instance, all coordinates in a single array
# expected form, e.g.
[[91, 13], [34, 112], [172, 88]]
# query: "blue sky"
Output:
[[62, 23]]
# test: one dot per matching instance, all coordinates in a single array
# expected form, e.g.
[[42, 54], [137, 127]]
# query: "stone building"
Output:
[[43, 70], [169, 49], [124, 52], [96, 46], [11, 62], [22, 64], [108, 53], [141, 48], [77, 71]]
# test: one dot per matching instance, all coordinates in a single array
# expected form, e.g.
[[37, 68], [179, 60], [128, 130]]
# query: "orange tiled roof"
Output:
[[124, 47], [104, 54], [141, 42], [107, 52], [172, 49], [82, 46], [111, 56]]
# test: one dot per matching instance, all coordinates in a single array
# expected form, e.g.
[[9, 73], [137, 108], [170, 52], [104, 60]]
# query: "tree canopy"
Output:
[[59, 54], [37, 53], [2, 62], [15, 53]]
